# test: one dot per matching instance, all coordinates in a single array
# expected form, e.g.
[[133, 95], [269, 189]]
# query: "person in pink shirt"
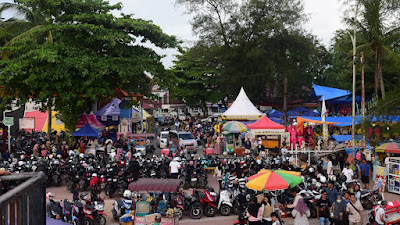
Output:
[[254, 212]]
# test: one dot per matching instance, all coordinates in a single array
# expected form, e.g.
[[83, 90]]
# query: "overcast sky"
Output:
[[324, 19]]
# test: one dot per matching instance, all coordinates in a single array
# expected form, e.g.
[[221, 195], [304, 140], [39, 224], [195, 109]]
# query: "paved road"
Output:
[[62, 193]]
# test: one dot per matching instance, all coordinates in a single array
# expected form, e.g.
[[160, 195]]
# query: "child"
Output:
[[275, 219]]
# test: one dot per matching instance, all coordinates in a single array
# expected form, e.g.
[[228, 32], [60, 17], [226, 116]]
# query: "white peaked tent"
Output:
[[242, 109]]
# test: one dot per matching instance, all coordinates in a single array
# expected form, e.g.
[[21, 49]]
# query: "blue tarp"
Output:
[[276, 114], [86, 131], [329, 93], [343, 138], [341, 121], [127, 113]]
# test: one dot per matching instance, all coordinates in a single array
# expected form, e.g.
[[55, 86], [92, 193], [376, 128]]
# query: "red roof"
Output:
[[265, 123]]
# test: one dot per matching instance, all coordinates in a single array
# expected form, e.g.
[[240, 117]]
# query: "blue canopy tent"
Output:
[[311, 113], [276, 114], [301, 109], [110, 113], [293, 113], [86, 131], [277, 120]]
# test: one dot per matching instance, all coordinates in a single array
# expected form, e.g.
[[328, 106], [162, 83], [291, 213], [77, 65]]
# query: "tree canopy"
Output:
[[92, 52]]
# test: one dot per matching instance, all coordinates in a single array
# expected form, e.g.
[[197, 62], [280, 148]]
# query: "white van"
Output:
[[163, 139], [188, 139]]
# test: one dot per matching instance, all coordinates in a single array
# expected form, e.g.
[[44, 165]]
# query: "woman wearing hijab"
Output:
[[300, 213], [254, 212], [376, 163]]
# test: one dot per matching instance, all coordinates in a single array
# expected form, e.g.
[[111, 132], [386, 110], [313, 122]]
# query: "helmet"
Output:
[[333, 178], [127, 194], [311, 170], [59, 156], [322, 179], [22, 157], [21, 163], [51, 156], [49, 196], [94, 175], [81, 155], [84, 195], [191, 163]]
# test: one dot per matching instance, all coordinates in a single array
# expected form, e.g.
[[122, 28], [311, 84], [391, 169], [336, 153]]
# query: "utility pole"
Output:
[[363, 99], [354, 39], [285, 95]]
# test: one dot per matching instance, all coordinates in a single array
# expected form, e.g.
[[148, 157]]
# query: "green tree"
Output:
[[256, 44], [93, 53]]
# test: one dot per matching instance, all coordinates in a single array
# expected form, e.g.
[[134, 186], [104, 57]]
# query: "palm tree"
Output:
[[378, 35], [23, 24]]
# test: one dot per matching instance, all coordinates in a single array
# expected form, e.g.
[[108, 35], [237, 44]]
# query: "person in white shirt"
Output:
[[380, 217], [348, 173], [174, 167], [329, 168]]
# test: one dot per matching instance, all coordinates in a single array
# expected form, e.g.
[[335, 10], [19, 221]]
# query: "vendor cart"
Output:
[[139, 141], [392, 212], [394, 175], [143, 215]]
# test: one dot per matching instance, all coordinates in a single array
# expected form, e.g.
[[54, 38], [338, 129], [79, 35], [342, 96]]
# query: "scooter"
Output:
[[187, 203], [225, 202], [121, 207], [71, 212], [370, 198]]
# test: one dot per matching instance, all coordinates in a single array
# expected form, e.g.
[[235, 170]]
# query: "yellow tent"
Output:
[[56, 124]]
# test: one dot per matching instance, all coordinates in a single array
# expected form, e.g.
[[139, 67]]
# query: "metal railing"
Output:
[[26, 203]]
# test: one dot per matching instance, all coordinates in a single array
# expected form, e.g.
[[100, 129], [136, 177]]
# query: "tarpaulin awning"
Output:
[[339, 121], [86, 131], [265, 123], [328, 92], [343, 138], [155, 185]]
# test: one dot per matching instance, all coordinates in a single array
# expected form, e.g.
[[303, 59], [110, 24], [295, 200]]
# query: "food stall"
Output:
[[138, 140], [394, 175], [143, 215], [271, 134]]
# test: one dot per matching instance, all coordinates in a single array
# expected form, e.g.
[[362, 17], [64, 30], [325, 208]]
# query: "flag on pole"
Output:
[[324, 126], [323, 109]]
